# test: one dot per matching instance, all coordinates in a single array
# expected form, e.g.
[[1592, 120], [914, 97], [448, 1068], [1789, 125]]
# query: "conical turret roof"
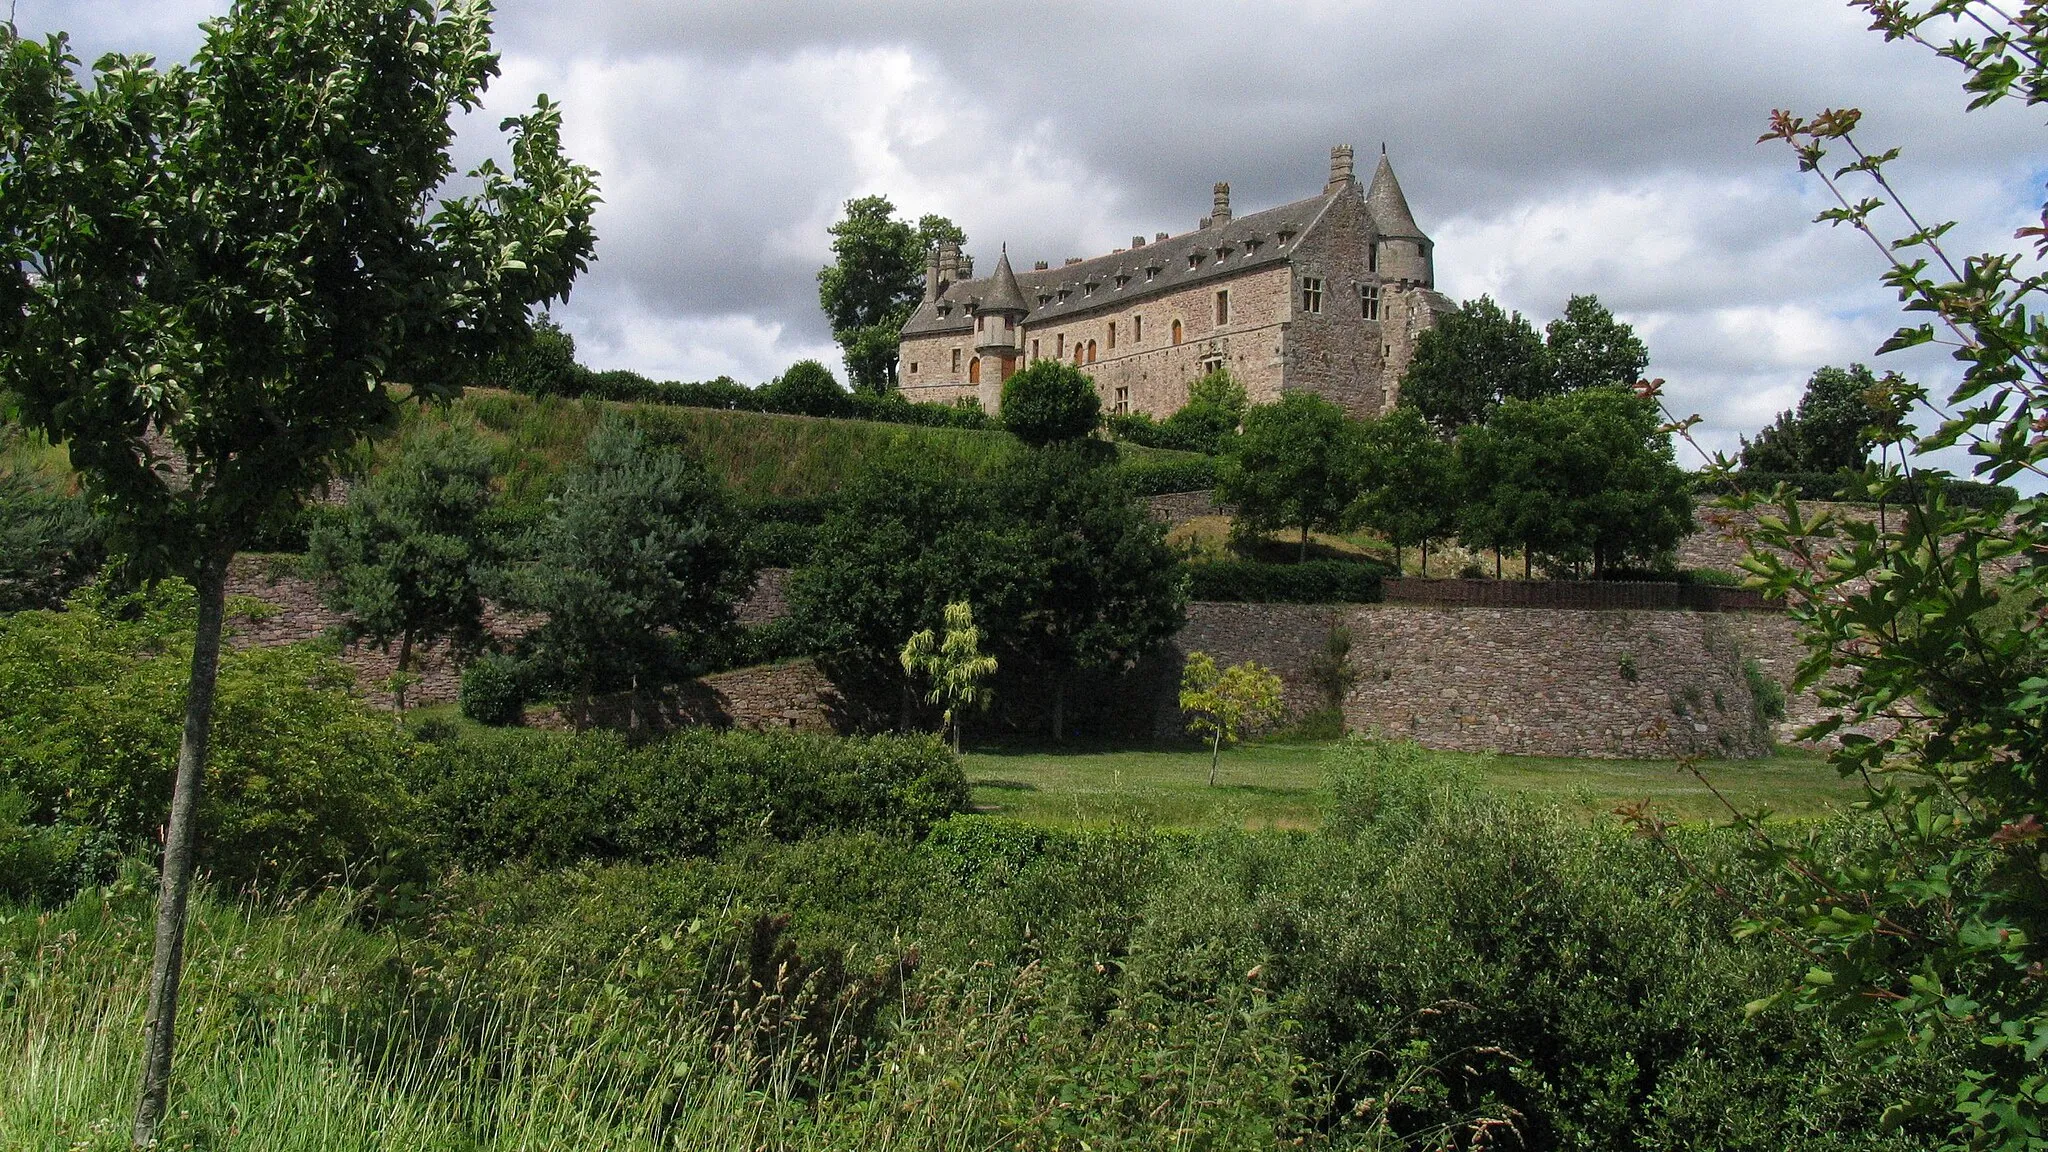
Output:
[[1388, 206], [1003, 293]]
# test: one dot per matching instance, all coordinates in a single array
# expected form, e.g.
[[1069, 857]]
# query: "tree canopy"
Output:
[[409, 556], [1407, 482], [1831, 429], [1050, 402], [211, 275], [1472, 359], [874, 282], [1587, 476], [1588, 348], [637, 567], [1295, 465]]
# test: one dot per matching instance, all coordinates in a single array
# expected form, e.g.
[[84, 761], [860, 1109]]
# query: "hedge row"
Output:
[[1831, 486], [556, 798], [1156, 476], [1309, 582], [730, 395]]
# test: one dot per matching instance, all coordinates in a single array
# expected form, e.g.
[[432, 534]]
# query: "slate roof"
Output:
[[1134, 274], [1004, 294], [1388, 206]]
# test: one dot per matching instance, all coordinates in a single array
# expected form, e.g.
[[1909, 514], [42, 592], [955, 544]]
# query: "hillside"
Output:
[[758, 454]]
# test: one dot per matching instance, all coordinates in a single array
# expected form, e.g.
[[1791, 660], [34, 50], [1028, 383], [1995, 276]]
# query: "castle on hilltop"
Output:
[[1324, 295]]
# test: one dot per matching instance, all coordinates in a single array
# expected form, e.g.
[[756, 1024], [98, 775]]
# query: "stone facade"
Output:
[[1180, 507], [1325, 295]]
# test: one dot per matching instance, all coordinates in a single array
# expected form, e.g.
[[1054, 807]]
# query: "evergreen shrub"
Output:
[[493, 690], [1159, 475], [556, 798]]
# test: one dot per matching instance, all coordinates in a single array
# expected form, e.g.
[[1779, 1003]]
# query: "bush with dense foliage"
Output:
[[1159, 475], [493, 689], [1435, 968], [556, 798], [1050, 402], [1304, 582], [304, 781], [1834, 427], [1295, 465], [1205, 424], [49, 543]]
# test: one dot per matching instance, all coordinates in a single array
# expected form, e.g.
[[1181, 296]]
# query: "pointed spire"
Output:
[[1388, 206], [1004, 295]]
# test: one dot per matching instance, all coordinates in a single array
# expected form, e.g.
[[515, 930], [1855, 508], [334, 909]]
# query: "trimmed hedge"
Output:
[[1831, 485], [1158, 475], [1309, 582], [556, 798], [730, 395]]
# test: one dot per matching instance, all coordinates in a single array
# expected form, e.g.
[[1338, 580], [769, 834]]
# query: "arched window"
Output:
[[1080, 351], [1091, 351], [974, 370], [1112, 335], [1176, 331]]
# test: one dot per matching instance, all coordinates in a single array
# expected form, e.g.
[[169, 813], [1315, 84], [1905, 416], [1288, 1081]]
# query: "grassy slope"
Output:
[[759, 454], [1275, 784]]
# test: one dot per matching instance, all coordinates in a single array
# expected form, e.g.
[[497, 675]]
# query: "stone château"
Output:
[[1324, 295]]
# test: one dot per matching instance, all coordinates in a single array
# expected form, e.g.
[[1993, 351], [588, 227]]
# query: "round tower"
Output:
[[998, 330], [1405, 255]]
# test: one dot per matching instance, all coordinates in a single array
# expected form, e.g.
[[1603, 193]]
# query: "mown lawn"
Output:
[[1276, 785]]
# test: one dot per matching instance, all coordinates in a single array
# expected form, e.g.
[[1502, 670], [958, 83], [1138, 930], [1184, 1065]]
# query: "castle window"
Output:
[[1034, 349], [1137, 329], [1059, 347], [956, 359], [1194, 260], [1223, 307], [974, 370], [1079, 350], [1312, 295], [1123, 399], [1091, 351], [978, 322], [1176, 331], [1372, 258], [1112, 335], [1213, 362], [913, 367], [1369, 301]]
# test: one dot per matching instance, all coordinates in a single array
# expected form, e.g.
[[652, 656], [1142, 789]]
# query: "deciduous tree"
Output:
[[1588, 348], [1407, 482], [1833, 428], [1295, 465], [1226, 705], [955, 666], [210, 275], [1474, 358], [874, 282]]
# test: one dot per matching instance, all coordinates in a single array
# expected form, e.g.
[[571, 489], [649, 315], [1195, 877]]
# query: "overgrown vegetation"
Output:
[[1435, 966]]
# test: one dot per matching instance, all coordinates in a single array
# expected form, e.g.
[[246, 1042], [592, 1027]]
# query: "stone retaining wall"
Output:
[[1177, 508], [1580, 594]]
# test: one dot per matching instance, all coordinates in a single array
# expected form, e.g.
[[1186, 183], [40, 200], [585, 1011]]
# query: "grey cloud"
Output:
[[729, 132]]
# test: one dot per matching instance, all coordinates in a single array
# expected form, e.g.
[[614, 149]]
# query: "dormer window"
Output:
[[1194, 261], [1222, 252], [1044, 297], [945, 308], [1088, 287], [1151, 270], [1123, 278], [1251, 245], [1286, 234], [1063, 294]]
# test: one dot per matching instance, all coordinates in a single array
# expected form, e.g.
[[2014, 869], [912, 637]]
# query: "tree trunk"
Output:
[[1059, 711], [404, 662], [1425, 557], [1215, 754], [1525, 560], [159, 1025], [1304, 543], [1496, 563], [956, 735], [1397, 561], [909, 703]]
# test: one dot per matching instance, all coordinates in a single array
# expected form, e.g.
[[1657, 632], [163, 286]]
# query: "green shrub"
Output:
[[44, 864], [556, 798], [779, 544], [1157, 475], [493, 690], [1310, 582], [1765, 693], [49, 542], [1050, 402], [303, 781]]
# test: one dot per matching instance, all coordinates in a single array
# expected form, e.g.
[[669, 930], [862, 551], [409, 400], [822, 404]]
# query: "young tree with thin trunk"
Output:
[[958, 670], [214, 274], [1226, 704]]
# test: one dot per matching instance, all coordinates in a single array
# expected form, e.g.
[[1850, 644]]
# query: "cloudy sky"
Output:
[[1550, 148]]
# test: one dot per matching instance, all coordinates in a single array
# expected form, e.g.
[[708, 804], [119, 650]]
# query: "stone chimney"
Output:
[[1341, 169], [1158, 236], [949, 263], [1220, 214], [931, 275], [1073, 260], [966, 266], [1137, 241], [1041, 266]]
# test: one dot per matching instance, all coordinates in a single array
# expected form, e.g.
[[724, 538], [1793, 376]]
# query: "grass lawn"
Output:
[[1263, 785]]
